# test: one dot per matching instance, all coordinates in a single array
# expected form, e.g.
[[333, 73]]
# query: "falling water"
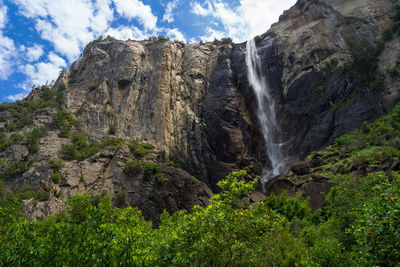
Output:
[[265, 113]]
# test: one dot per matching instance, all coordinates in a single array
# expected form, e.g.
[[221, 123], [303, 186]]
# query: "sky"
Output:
[[40, 38]]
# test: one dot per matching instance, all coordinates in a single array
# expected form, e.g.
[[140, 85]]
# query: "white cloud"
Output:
[[43, 72], [34, 53], [205, 9], [175, 34], [17, 97], [68, 25], [169, 15], [212, 34], [8, 51], [3, 15], [39, 74], [250, 18], [125, 33], [135, 9]]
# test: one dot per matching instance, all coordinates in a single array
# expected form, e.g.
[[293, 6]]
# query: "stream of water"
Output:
[[265, 113]]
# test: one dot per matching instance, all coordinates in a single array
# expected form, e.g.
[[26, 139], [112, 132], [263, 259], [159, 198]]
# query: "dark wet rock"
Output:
[[301, 167]]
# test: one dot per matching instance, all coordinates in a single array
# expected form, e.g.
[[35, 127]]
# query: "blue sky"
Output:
[[39, 38]]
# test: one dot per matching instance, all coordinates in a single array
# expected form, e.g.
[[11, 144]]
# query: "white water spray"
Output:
[[265, 113]]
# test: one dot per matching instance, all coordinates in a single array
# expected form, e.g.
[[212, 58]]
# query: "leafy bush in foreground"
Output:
[[360, 227]]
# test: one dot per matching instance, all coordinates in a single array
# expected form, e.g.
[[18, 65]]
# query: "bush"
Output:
[[394, 72], [112, 142], [56, 164], [162, 156], [62, 86], [56, 177], [133, 168], [112, 129], [140, 150], [93, 87], [80, 149], [120, 197], [15, 169], [34, 137]]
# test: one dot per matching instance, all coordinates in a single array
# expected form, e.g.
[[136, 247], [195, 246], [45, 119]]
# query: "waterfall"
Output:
[[265, 113]]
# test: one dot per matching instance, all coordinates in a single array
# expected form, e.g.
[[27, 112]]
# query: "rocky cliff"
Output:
[[190, 110]]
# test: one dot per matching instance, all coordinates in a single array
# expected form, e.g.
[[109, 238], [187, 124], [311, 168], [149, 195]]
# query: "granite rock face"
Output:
[[314, 106]]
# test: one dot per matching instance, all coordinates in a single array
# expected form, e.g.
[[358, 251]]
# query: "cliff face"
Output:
[[304, 55], [193, 101], [179, 97]]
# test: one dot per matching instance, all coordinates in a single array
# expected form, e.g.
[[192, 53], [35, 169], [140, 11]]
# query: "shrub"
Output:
[[394, 72], [56, 164], [15, 169], [112, 129], [120, 197], [56, 177], [148, 169], [34, 137], [62, 86], [65, 121], [140, 150], [162, 156], [112, 141], [93, 87], [80, 149]]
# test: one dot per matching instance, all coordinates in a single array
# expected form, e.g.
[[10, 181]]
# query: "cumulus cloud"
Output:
[[39, 74], [135, 9], [8, 51], [44, 72], [34, 53], [175, 34], [169, 11], [68, 25], [125, 33], [250, 18], [3, 15]]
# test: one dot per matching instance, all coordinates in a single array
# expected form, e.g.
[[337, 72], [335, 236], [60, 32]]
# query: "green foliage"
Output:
[[289, 207], [93, 87], [34, 137], [62, 86], [394, 72], [139, 150], [372, 145], [55, 177], [148, 169], [365, 63], [80, 148], [359, 228], [112, 129], [56, 164], [112, 141], [65, 121], [15, 169], [376, 229], [120, 197], [4, 144], [28, 192], [162, 156], [71, 80], [22, 113]]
